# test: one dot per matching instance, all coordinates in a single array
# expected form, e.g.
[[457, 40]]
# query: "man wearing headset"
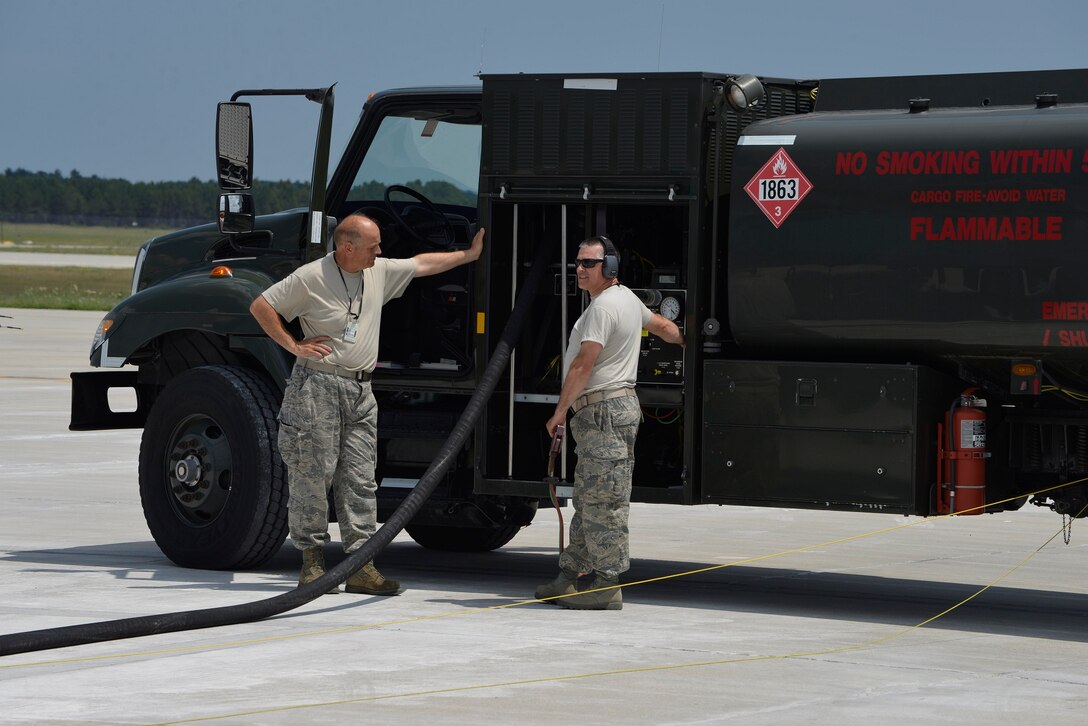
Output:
[[600, 367]]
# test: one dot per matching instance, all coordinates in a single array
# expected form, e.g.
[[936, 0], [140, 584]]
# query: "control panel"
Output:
[[660, 362]]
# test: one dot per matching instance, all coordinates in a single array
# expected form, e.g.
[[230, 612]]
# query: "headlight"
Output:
[[101, 333]]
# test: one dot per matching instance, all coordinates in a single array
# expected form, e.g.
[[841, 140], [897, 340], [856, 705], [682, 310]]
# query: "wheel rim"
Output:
[[199, 470]]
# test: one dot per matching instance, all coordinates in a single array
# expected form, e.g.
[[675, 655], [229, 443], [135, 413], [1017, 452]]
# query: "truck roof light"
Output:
[[744, 92]]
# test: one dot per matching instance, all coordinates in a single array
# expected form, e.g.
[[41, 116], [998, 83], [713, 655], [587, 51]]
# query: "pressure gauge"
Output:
[[670, 308]]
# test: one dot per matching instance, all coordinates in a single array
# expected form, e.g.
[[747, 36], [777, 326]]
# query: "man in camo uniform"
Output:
[[329, 417], [600, 367]]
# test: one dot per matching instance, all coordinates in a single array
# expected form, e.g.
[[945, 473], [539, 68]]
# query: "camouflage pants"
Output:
[[328, 440], [605, 437]]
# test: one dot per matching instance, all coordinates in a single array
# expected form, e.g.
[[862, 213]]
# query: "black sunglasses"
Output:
[[587, 262]]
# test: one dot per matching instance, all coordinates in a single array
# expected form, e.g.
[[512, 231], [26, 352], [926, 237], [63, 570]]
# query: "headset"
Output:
[[611, 266]]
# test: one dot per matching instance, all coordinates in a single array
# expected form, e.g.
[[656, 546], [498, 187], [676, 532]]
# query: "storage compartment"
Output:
[[835, 436]]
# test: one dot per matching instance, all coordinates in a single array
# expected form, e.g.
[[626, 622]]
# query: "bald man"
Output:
[[329, 417]]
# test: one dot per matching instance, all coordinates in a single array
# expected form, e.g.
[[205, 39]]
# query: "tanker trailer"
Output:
[[907, 306]]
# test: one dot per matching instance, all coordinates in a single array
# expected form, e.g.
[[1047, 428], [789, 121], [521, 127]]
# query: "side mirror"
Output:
[[234, 146], [236, 213]]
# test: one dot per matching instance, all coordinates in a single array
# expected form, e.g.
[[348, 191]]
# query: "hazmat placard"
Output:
[[778, 187]]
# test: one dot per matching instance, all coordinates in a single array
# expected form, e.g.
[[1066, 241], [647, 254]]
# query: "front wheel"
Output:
[[212, 484]]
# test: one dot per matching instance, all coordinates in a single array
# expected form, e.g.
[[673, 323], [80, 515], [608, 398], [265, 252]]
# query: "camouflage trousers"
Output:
[[604, 434], [328, 440]]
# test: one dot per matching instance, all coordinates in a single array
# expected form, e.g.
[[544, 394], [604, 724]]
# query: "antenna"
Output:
[[483, 45]]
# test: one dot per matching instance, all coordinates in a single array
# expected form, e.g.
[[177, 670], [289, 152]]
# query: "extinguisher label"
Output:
[[972, 434]]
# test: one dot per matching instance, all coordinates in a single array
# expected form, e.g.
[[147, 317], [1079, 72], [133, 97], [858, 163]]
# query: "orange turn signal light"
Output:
[[221, 271], [1024, 369]]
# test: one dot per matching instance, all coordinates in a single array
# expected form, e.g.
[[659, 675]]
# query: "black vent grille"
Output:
[[549, 129], [576, 137], [680, 123], [644, 126], [653, 123], [500, 128]]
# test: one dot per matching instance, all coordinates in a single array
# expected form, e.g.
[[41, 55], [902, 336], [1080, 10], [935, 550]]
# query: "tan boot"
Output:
[[603, 600], [368, 581], [565, 583], [313, 567]]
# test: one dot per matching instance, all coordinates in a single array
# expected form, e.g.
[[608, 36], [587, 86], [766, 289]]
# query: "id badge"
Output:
[[351, 331]]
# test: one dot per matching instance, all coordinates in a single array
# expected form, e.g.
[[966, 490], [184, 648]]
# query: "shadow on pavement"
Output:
[[512, 574]]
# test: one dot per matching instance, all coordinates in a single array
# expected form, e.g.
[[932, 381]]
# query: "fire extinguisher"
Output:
[[961, 455]]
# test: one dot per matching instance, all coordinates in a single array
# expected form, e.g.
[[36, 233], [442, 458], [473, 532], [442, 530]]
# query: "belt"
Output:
[[598, 396], [335, 370]]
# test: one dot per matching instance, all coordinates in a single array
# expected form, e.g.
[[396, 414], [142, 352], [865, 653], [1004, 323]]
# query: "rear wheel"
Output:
[[212, 484]]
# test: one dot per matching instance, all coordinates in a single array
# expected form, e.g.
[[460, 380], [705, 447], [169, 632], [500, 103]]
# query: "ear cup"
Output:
[[610, 268]]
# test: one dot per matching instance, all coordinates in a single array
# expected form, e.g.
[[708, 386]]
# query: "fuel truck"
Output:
[[881, 282]]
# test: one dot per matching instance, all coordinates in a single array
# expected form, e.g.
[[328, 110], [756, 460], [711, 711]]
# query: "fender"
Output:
[[192, 301]]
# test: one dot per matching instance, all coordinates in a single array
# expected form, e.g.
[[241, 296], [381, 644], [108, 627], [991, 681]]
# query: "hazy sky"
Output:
[[127, 88]]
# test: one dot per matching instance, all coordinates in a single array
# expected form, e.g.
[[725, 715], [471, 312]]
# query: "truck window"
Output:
[[437, 158]]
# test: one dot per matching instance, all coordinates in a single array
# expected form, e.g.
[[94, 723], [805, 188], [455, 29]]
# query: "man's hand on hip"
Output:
[[313, 347]]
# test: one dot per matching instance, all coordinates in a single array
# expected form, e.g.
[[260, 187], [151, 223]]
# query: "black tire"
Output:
[[212, 484], [461, 539]]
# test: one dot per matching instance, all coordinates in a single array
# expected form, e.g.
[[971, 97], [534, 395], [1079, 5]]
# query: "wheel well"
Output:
[[178, 351]]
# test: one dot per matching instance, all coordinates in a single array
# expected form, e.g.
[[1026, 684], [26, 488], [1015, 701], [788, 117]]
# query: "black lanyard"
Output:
[[351, 298]]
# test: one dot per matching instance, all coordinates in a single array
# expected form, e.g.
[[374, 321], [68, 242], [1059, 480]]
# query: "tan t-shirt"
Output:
[[320, 299], [615, 319]]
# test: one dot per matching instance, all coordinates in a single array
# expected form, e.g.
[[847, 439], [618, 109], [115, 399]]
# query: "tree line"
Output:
[[40, 197]]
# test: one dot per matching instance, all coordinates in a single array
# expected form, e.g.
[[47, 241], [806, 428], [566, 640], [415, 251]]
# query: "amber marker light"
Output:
[[221, 271], [1024, 369]]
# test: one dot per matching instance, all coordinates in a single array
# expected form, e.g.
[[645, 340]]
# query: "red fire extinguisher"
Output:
[[961, 457]]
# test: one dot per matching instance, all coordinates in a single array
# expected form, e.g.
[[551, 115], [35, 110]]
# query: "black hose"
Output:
[[34, 640]]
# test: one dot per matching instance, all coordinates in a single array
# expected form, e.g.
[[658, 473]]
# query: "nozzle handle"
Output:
[[557, 438]]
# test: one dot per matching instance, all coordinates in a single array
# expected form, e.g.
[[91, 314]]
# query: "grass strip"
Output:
[[74, 239], [62, 288]]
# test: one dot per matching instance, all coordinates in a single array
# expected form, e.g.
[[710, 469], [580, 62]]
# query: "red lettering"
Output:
[[1003, 195], [1018, 229], [1045, 195], [1073, 338], [931, 196], [1070, 310], [1031, 161], [851, 162], [915, 163]]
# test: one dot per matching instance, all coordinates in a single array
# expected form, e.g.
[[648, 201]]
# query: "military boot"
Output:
[[611, 599], [565, 583], [313, 567], [368, 581]]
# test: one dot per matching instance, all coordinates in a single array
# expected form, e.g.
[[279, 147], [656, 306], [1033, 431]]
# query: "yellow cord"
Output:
[[457, 613]]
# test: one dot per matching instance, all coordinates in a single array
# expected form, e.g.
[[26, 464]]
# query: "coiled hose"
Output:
[[35, 640]]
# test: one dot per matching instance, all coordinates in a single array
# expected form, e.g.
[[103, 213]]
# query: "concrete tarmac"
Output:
[[788, 616], [59, 259]]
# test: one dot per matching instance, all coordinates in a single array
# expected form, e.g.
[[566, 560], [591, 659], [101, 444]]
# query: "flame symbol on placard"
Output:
[[779, 167]]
